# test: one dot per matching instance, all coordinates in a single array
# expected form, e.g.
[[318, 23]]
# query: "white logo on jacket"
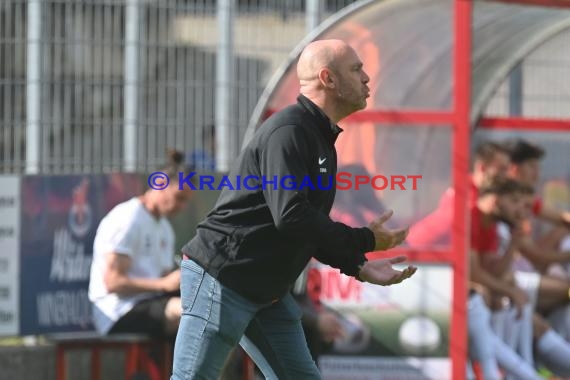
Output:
[[321, 161]]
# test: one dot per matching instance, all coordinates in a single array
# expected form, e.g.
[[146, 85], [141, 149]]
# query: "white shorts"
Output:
[[529, 282]]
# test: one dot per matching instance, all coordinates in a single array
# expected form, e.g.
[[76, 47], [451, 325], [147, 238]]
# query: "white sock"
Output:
[[481, 336], [554, 352], [516, 366]]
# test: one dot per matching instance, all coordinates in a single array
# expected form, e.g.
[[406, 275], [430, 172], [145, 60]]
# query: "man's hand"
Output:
[[380, 272], [518, 236], [171, 282], [566, 219], [519, 298], [386, 239]]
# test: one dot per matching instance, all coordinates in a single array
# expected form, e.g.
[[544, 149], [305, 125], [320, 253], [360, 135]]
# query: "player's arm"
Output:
[[500, 265], [287, 153], [479, 275], [555, 216], [539, 257], [435, 226], [118, 281]]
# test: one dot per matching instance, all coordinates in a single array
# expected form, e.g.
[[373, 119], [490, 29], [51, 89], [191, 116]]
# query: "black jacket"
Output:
[[257, 242]]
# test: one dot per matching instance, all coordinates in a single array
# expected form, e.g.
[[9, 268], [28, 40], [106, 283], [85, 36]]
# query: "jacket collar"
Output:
[[329, 129]]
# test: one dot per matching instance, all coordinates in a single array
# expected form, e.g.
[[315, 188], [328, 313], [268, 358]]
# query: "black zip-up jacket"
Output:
[[257, 242]]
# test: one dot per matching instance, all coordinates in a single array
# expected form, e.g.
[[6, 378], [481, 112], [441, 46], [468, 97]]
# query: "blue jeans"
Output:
[[215, 319]]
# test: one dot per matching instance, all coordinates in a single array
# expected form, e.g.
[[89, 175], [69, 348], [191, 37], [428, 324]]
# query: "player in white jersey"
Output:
[[134, 279]]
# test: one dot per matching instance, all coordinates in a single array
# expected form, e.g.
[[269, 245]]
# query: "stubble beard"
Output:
[[350, 106]]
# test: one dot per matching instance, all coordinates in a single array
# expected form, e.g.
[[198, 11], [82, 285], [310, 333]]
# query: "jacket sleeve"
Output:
[[288, 153]]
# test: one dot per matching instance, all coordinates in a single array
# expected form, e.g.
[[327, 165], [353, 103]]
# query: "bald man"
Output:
[[238, 270]]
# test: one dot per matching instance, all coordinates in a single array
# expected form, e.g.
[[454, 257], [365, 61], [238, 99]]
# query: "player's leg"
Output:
[[559, 319], [213, 320], [275, 341], [551, 349], [172, 314], [146, 317], [564, 246], [481, 349], [553, 292], [530, 283], [499, 320], [515, 366]]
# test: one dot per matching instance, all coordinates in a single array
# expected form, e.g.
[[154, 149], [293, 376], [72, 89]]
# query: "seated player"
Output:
[[502, 200], [499, 199], [133, 277], [491, 160], [525, 167]]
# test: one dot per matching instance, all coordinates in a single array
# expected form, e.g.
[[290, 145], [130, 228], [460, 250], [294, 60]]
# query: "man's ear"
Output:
[[327, 78]]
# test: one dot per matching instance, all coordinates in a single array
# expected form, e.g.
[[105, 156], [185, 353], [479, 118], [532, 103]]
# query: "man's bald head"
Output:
[[331, 75], [318, 55]]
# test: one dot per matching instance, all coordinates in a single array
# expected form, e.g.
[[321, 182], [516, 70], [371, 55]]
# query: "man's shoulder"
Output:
[[131, 205], [289, 123], [124, 212], [292, 115]]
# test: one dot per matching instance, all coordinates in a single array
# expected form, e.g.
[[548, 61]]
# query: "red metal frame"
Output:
[[133, 359], [416, 255], [459, 119], [540, 3], [461, 109], [520, 123], [403, 117]]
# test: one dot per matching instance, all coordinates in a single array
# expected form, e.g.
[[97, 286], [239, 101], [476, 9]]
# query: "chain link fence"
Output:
[[100, 85]]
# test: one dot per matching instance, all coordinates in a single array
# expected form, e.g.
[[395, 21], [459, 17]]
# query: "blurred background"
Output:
[[114, 83], [94, 92]]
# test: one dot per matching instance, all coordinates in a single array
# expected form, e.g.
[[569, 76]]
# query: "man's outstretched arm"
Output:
[[287, 153]]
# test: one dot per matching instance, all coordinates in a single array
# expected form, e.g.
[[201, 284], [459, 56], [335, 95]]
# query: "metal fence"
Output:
[[539, 86], [108, 85], [90, 86]]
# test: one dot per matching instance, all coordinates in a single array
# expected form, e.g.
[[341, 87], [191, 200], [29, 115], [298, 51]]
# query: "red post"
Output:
[[132, 359], [522, 123], [540, 3], [461, 148], [60, 362], [95, 363], [167, 359]]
